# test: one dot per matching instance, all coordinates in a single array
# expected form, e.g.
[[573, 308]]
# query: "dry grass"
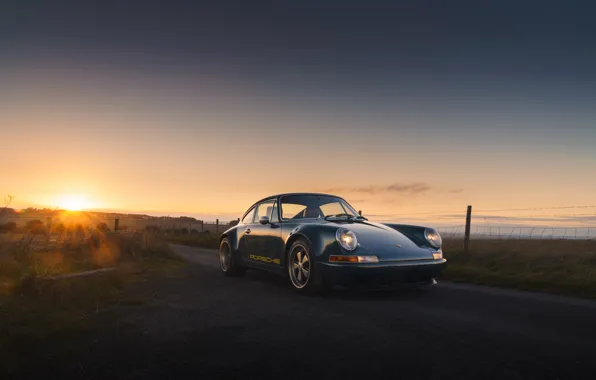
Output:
[[554, 266], [33, 308]]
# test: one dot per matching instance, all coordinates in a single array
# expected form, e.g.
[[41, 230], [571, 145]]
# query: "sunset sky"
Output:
[[203, 108]]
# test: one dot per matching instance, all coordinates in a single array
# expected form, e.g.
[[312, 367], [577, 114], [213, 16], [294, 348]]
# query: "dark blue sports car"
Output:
[[319, 239]]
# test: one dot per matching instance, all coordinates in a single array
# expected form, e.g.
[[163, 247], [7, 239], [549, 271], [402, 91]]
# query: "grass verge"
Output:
[[566, 267], [36, 310]]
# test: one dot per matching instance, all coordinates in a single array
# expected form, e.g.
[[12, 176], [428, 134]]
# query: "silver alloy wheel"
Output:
[[299, 267], [225, 257]]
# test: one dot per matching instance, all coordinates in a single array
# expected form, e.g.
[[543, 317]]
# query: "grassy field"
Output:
[[36, 305], [553, 266]]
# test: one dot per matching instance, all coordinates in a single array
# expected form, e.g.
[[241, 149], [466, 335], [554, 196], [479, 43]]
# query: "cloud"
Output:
[[410, 188], [418, 187]]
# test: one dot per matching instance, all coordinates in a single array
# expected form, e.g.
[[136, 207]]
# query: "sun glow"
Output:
[[74, 202]]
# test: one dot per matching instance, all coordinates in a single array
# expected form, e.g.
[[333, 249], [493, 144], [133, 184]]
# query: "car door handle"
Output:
[[247, 231]]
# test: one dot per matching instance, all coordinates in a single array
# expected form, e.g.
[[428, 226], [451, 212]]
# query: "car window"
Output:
[[292, 210], [264, 209], [307, 206], [274, 214], [332, 208], [248, 218]]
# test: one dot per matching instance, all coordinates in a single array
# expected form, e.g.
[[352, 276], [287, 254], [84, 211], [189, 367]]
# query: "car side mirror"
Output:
[[264, 220]]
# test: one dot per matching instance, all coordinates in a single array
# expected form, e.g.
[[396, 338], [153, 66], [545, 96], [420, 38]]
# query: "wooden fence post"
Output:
[[216, 225], [116, 224], [468, 224], [202, 226]]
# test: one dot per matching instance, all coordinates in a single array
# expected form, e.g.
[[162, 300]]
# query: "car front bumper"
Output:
[[382, 274]]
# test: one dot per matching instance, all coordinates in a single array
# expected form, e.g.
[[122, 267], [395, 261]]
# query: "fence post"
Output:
[[116, 224], [468, 223], [216, 225], [202, 226]]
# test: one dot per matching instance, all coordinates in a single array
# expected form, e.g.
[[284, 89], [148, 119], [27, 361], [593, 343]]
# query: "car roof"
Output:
[[286, 194]]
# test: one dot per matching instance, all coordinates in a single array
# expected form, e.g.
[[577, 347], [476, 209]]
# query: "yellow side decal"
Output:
[[264, 259]]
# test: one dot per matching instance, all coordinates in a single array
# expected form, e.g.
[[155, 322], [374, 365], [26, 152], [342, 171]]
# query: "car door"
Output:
[[265, 245], [244, 230]]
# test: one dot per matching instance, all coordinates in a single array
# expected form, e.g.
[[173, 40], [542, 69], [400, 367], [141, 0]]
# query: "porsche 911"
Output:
[[319, 241]]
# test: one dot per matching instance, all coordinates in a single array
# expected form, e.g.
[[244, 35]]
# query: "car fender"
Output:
[[414, 233], [321, 239], [233, 238]]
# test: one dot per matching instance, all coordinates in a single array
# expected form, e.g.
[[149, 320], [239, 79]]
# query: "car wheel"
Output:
[[227, 262], [302, 269]]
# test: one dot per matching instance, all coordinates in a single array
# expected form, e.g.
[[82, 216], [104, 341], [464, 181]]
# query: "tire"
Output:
[[302, 270], [227, 261]]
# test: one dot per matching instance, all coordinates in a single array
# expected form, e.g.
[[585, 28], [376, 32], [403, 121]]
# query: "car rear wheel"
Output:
[[227, 262], [302, 269]]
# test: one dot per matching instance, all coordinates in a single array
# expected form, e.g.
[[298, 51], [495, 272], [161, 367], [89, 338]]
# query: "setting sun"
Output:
[[74, 203]]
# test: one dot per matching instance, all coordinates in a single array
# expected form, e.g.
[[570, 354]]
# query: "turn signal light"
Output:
[[353, 259], [343, 259]]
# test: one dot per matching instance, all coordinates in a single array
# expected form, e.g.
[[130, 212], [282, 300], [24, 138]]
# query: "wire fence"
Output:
[[502, 232]]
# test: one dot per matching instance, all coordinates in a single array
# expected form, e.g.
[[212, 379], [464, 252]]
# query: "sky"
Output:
[[201, 108]]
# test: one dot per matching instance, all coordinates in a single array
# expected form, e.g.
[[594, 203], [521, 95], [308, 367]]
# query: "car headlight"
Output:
[[347, 239], [432, 236]]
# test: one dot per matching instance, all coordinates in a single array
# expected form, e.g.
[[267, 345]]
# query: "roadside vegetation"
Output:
[[554, 266], [53, 285], [200, 239]]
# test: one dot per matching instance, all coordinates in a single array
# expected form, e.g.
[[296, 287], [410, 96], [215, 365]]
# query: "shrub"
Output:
[[59, 228], [8, 227], [152, 228], [35, 227], [102, 227]]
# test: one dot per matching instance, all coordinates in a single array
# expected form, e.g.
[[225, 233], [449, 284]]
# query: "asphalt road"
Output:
[[203, 325]]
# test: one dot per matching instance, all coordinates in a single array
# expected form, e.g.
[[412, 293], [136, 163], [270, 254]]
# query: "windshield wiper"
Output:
[[349, 216], [339, 216]]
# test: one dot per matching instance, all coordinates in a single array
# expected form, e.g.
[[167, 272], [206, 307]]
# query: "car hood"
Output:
[[383, 241]]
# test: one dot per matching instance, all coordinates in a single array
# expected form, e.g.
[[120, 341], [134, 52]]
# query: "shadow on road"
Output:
[[279, 284]]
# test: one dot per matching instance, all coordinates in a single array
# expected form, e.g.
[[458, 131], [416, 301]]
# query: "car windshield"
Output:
[[314, 206]]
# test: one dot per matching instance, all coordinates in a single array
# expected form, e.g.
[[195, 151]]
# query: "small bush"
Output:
[[35, 227], [8, 227], [102, 228], [59, 228]]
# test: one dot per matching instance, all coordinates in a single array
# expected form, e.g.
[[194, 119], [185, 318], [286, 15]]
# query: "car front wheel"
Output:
[[302, 269]]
